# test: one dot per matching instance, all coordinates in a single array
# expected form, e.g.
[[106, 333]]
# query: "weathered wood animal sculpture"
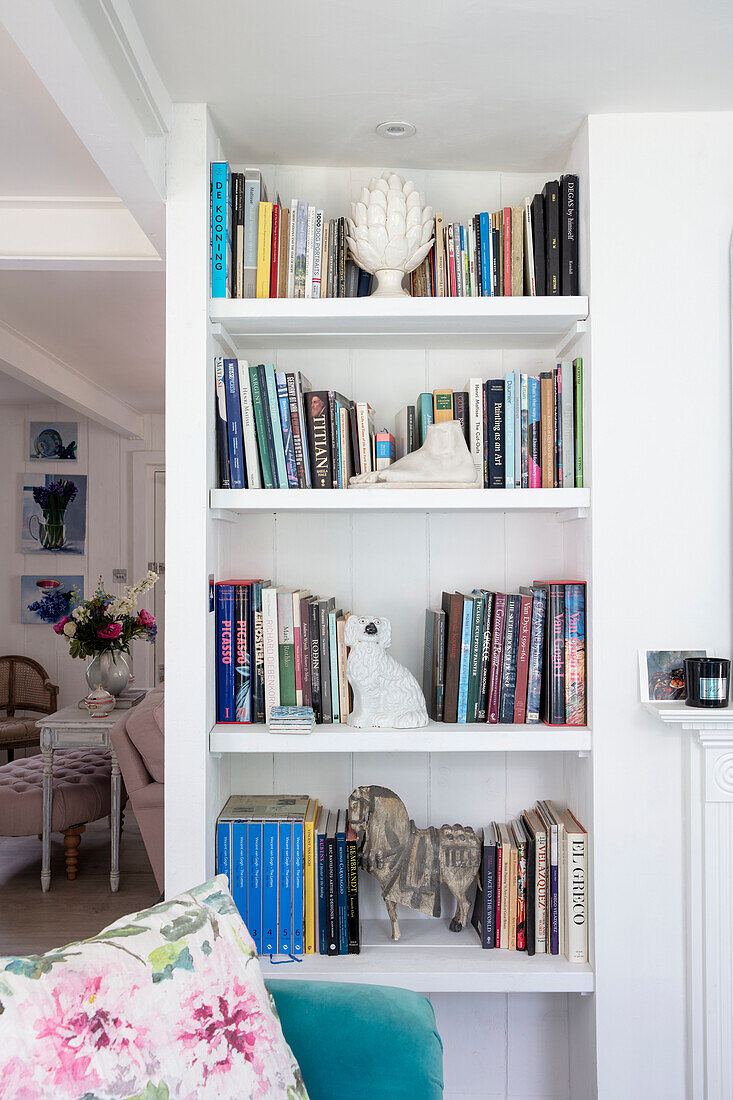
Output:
[[410, 863]]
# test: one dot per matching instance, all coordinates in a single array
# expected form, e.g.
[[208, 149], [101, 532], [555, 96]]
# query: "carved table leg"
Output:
[[116, 807], [47, 806], [72, 840]]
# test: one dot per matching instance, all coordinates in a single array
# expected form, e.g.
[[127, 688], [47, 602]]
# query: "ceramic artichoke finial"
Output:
[[390, 231]]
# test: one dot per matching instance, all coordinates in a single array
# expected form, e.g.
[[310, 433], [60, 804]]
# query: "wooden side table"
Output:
[[72, 728]]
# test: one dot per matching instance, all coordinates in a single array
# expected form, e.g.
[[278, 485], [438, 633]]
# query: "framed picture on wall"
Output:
[[47, 598], [54, 514], [662, 673], [53, 441]]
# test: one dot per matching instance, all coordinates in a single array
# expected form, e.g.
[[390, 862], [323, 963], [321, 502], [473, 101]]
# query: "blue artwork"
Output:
[[54, 514], [45, 599], [53, 441]]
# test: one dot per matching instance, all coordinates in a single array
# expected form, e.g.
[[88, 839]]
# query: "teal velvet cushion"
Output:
[[364, 1042]]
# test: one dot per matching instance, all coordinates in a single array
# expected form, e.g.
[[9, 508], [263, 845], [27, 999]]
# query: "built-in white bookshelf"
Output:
[[387, 552]]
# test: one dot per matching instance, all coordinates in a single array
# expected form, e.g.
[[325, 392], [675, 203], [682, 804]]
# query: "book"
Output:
[[224, 652], [242, 656], [553, 922], [557, 422], [520, 841], [254, 883], [452, 604], [482, 701], [495, 411], [365, 434], [509, 427], [498, 881], [538, 244], [553, 676], [257, 650], [474, 667], [283, 258], [523, 651], [474, 387], [272, 415], [224, 849], [505, 925], [551, 196], [220, 414], [286, 427], [258, 406], [569, 282], [344, 689], [270, 426], [271, 651], [507, 251], [333, 658], [305, 650], [536, 830], [530, 901], [297, 427], [270, 836], [460, 412], [442, 405], [321, 827], [298, 917], [578, 420], [440, 288], [513, 885], [568, 428], [264, 245], [249, 432], [507, 689], [384, 450], [221, 229], [310, 246], [317, 255], [343, 934], [484, 910], [536, 652], [352, 892], [465, 658], [310, 892], [497, 647], [331, 876], [292, 235], [301, 243], [530, 288], [275, 248], [424, 416], [319, 438], [315, 658], [534, 440], [575, 654], [517, 251], [237, 234], [237, 479], [285, 889], [254, 190], [487, 281], [405, 431], [547, 430], [576, 839], [300, 602], [286, 648]]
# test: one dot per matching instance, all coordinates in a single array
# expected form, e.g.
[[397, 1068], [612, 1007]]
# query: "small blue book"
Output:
[[239, 867], [269, 887], [341, 882], [254, 884], [287, 429], [285, 895], [224, 850], [465, 663], [235, 437], [298, 911]]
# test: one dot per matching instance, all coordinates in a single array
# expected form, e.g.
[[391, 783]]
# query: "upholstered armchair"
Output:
[[24, 686], [139, 743]]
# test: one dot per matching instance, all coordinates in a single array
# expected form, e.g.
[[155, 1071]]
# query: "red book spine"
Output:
[[507, 251], [497, 645], [525, 630], [499, 864], [274, 250]]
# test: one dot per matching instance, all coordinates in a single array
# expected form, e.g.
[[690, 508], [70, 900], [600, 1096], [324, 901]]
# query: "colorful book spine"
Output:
[[291, 468], [509, 660], [300, 442], [270, 426], [222, 437], [521, 888], [239, 867], [483, 693], [352, 892], [485, 231], [495, 408], [568, 441], [534, 433], [324, 606], [310, 883], [258, 406], [321, 869], [221, 229], [242, 654], [254, 883], [319, 438], [523, 649], [384, 450], [442, 405], [477, 639], [264, 249], [578, 419], [285, 889], [234, 425], [224, 850], [343, 939], [257, 651], [225, 653], [575, 654], [332, 918], [465, 661], [333, 661], [298, 919], [274, 416], [270, 839], [249, 434], [271, 650], [315, 660], [517, 429], [509, 426], [536, 655], [497, 645], [275, 248], [524, 429]]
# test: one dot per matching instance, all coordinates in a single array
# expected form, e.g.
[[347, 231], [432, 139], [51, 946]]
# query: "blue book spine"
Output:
[[277, 435], [224, 850], [298, 911], [225, 653], [509, 398], [341, 892], [364, 288], [254, 883], [333, 657], [239, 867], [221, 228], [517, 430], [485, 253], [465, 665], [269, 887], [234, 425], [270, 428], [536, 650], [287, 429], [337, 433], [285, 897], [321, 854]]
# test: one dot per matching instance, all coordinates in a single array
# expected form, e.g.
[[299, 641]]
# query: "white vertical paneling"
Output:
[[474, 1065], [537, 1051]]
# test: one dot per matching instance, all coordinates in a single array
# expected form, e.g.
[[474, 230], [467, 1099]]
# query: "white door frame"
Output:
[[143, 536]]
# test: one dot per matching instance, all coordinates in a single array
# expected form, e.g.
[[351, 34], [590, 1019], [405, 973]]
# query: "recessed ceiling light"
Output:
[[396, 129]]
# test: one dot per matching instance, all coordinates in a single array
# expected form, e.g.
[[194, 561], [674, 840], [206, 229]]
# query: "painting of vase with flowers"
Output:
[[54, 514]]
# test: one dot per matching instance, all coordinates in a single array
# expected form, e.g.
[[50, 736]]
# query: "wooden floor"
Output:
[[32, 922]]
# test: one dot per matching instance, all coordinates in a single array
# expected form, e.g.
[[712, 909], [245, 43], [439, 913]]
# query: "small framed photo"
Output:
[[45, 598], [662, 673], [53, 441]]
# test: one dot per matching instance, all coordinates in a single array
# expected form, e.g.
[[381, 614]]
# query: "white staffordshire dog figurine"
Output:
[[385, 693]]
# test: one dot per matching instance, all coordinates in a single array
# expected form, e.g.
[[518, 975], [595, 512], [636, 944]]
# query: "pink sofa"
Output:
[[139, 742]]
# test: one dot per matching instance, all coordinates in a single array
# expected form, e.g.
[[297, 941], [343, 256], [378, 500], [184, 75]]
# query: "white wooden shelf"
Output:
[[677, 713], [397, 322], [435, 737], [568, 503], [429, 958]]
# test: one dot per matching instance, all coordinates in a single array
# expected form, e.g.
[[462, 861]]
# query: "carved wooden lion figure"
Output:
[[410, 863]]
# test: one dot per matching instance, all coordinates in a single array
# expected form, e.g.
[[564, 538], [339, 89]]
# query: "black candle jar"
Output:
[[707, 680]]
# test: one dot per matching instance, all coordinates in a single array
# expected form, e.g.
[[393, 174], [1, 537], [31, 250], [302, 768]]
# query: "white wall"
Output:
[[661, 213], [112, 520]]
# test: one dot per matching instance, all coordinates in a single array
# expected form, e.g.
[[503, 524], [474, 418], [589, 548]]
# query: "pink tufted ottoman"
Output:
[[81, 793]]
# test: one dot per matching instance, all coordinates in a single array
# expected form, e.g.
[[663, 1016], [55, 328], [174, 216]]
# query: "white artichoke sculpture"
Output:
[[390, 231]]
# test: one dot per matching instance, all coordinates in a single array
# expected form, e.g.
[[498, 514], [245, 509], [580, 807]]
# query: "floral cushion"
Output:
[[168, 1004]]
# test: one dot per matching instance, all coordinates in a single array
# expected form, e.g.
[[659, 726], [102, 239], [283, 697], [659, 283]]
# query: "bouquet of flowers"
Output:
[[107, 623], [54, 499]]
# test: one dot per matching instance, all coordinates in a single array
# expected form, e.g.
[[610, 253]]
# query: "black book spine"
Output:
[[485, 402], [262, 374], [569, 235], [334, 428], [305, 649], [495, 409], [509, 661], [238, 228], [553, 665], [538, 243], [352, 895], [496, 254], [411, 430], [298, 441], [483, 686], [342, 257], [477, 250], [319, 438], [332, 916], [324, 606], [460, 412], [315, 657], [354, 430], [551, 195], [222, 438]]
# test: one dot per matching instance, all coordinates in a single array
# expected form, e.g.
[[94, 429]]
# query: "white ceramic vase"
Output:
[[110, 670]]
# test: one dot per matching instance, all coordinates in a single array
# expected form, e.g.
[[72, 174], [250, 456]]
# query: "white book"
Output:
[[529, 281], [568, 427], [574, 856], [317, 255], [475, 388], [310, 247], [251, 453], [365, 433], [292, 226], [297, 597], [517, 429], [272, 653]]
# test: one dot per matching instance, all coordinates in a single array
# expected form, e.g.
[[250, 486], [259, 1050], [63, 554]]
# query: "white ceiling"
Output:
[[488, 85]]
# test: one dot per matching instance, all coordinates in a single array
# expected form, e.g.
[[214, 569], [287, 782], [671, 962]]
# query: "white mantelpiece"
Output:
[[709, 895]]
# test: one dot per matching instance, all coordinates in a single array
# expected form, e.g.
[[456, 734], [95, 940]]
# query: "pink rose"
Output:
[[109, 633], [59, 626], [146, 618]]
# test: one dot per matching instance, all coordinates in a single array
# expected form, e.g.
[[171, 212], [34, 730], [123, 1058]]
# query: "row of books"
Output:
[[274, 432], [262, 249], [292, 871], [508, 657], [532, 892], [278, 647]]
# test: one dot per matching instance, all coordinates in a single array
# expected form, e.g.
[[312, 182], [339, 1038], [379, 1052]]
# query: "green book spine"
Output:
[[578, 414], [261, 430], [277, 434], [474, 668], [424, 415], [286, 651]]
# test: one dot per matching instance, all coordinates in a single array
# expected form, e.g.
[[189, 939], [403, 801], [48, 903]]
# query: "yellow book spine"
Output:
[[442, 405], [309, 886], [264, 242]]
